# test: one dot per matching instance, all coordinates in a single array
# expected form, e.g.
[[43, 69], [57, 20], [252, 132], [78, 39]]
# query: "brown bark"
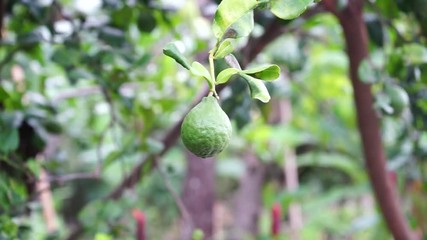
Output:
[[198, 196], [355, 33], [46, 201], [290, 170], [248, 198]]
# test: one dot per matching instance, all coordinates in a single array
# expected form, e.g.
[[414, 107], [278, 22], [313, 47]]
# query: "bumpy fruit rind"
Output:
[[206, 130]]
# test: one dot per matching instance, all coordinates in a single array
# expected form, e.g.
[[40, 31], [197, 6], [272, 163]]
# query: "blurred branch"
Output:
[[79, 92], [86, 91], [330, 6], [46, 200], [247, 207], [356, 39], [168, 141], [275, 29], [180, 204], [73, 176], [290, 170], [198, 195], [43, 188]]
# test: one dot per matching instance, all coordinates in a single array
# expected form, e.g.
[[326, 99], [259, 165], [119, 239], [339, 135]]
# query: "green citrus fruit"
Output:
[[399, 99], [206, 130]]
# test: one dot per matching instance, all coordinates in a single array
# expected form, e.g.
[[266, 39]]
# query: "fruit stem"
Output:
[[212, 72]]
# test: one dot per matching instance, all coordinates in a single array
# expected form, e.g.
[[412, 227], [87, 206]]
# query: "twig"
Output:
[[180, 204], [73, 176], [76, 93], [46, 200], [275, 29], [168, 141], [98, 168], [356, 38]]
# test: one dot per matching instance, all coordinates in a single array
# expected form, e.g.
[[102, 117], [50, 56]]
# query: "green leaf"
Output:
[[102, 236], [34, 166], [33, 37], [224, 49], [415, 53], [367, 73], [232, 61], [112, 36], [66, 57], [242, 27], [289, 9], [257, 87], [51, 126], [172, 51], [112, 157], [199, 70], [3, 94], [9, 139], [225, 75], [382, 101], [267, 72], [228, 13], [123, 17], [146, 20]]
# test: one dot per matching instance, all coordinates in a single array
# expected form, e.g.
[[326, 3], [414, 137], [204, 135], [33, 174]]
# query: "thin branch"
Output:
[[76, 93], [330, 6], [73, 176], [180, 204], [46, 200], [168, 141], [275, 29], [356, 38]]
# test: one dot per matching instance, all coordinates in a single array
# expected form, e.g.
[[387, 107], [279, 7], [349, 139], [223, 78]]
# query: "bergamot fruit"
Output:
[[206, 130]]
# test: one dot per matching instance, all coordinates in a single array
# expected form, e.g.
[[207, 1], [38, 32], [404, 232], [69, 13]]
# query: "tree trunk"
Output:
[[290, 170], [199, 196], [282, 114], [351, 20], [248, 198]]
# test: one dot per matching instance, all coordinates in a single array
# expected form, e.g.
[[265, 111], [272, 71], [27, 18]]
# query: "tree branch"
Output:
[[178, 201], [274, 30], [356, 38]]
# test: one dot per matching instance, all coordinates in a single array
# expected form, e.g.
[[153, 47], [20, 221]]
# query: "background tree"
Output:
[[91, 112]]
